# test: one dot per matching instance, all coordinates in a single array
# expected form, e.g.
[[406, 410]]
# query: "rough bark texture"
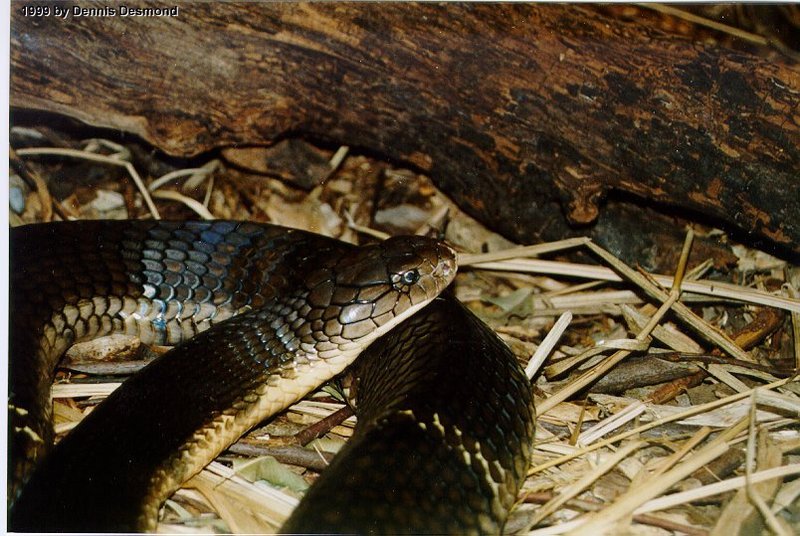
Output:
[[522, 113]]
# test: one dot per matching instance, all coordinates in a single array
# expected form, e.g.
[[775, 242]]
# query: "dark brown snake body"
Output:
[[262, 315]]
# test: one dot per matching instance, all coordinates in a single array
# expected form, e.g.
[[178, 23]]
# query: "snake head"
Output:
[[362, 295]]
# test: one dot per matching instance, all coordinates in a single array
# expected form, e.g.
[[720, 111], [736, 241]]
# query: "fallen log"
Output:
[[521, 113]]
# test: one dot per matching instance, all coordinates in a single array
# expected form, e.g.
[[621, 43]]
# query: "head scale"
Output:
[[361, 296]]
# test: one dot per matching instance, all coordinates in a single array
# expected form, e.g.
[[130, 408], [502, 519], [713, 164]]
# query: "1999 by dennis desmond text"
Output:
[[55, 10]]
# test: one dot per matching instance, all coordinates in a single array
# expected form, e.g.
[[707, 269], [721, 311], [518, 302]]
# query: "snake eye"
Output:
[[410, 277]]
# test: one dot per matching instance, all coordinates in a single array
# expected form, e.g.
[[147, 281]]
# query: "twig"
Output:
[[290, 454], [85, 155], [792, 292], [323, 426], [701, 327], [591, 375], [35, 182]]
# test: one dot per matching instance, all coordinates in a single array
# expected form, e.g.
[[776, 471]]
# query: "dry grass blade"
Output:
[[85, 155], [45, 199], [700, 327], [627, 504], [547, 344], [714, 289], [193, 204], [792, 292], [614, 422], [787, 496], [74, 390], [703, 492], [337, 158], [469, 259], [433, 223], [788, 403], [238, 499], [749, 499], [666, 334], [683, 497], [369, 231], [628, 345], [590, 376], [579, 486], [719, 372], [729, 291], [708, 23], [207, 174], [177, 174], [670, 461], [678, 416]]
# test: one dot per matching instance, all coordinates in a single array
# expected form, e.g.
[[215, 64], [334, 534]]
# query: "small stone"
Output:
[[16, 200]]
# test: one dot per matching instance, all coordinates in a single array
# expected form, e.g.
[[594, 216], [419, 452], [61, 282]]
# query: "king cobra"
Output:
[[259, 315]]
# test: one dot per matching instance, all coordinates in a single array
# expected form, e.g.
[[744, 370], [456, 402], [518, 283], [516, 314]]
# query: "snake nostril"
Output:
[[446, 269]]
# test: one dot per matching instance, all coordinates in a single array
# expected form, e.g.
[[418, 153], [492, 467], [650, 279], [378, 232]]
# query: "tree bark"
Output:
[[521, 113]]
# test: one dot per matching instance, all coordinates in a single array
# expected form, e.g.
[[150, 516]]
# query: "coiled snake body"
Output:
[[261, 316]]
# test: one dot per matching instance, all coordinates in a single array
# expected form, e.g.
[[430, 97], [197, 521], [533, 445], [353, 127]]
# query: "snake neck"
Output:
[[445, 422]]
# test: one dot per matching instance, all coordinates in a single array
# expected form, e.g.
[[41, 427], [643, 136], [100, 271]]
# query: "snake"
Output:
[[259, 316]]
